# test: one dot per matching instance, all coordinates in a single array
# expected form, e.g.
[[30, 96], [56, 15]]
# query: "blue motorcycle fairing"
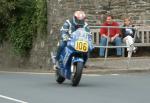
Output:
[[65, 62], [66, 56]]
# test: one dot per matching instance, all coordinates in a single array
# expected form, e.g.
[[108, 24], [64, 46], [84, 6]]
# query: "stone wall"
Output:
[[58, 12]]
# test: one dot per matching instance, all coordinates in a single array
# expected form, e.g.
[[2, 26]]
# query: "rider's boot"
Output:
[[56, 66]]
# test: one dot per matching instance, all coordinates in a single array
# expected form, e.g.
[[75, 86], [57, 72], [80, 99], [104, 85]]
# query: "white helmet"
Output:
[[79, 17]]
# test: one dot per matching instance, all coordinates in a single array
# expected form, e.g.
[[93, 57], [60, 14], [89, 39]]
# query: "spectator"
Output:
[[114, 36], [128, 35]]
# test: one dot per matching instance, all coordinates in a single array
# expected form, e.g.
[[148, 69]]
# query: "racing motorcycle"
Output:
[[74, 56]]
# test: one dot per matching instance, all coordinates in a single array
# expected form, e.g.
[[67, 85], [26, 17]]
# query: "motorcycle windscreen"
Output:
[[80, 39]]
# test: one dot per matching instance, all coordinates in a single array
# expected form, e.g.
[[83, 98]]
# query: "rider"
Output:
[[77, 21]]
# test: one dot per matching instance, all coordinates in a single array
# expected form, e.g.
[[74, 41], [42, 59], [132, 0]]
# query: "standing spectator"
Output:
[[114, 36], [128, 35]]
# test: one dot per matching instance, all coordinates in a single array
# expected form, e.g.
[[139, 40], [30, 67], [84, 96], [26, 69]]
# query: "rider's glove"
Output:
[[65, 37]]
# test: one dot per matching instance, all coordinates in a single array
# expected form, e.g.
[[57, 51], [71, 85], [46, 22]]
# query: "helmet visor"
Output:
[[79, 22]]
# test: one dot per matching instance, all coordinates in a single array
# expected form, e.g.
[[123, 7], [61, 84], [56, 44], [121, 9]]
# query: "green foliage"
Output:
[[25, 19], [21, 37], [41, 13], [22, 29], [5, 18]]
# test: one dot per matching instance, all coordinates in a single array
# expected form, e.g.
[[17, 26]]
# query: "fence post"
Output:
[[106, 49]]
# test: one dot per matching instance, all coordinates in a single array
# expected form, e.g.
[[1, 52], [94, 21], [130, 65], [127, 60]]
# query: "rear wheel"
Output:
[[77, 73], [59, 78]]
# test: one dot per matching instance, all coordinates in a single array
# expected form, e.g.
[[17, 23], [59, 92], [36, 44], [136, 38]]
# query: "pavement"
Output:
[[101, 66], [118, 65]]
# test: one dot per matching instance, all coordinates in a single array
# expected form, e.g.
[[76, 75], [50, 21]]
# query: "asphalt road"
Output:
[[42, 88]]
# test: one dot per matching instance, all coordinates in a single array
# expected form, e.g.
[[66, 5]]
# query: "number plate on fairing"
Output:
[[81, 46]]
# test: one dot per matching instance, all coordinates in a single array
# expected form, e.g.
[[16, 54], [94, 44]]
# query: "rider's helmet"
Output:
[[79, 17]]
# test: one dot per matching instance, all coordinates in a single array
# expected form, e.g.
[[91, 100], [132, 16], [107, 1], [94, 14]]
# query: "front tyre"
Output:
[[59, 78], [76, 76]]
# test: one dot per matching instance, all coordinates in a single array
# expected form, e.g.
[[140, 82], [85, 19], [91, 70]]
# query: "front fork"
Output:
[[74, 61]]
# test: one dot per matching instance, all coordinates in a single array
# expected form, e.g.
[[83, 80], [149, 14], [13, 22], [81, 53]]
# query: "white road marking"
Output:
[[12, 99]]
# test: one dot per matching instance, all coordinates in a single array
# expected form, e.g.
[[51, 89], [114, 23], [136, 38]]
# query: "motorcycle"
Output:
[[74, 56]]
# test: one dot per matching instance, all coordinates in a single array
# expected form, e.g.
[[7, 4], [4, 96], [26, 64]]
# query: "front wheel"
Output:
[[76, 75]]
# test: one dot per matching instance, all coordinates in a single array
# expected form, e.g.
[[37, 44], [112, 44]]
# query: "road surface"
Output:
[[42, 88]]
